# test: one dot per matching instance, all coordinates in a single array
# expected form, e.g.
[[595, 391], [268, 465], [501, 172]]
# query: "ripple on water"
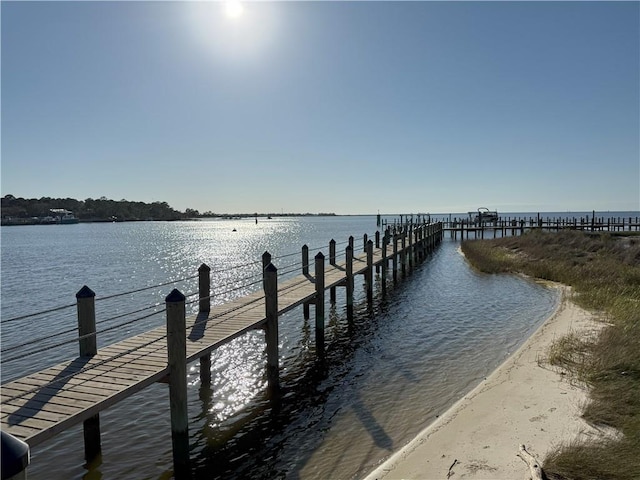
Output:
[[386, 375]]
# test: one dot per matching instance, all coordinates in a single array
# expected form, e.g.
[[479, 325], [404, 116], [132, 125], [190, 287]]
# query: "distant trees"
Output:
[[101, 209]]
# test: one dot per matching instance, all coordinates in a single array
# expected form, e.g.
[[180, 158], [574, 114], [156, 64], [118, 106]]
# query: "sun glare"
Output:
[[232, 30], [233, 9]]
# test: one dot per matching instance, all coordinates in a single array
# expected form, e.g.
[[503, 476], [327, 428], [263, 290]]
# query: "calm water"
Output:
[[386, 375]]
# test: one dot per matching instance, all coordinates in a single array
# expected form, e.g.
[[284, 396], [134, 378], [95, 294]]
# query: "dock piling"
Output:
[[204, 290], [88, 346], [271, 325], [305, 260], [369, 273], [177, 363], [332, 261], [349, 280], [319, 278]]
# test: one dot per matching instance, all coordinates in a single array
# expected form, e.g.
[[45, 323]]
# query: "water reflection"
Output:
[[385, 374]]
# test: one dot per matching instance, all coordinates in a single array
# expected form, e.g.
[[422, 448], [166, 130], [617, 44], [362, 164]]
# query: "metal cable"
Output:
[[145, 288], [22, 317], [255, 262], [75, 339], [130, 313], [31, 342]]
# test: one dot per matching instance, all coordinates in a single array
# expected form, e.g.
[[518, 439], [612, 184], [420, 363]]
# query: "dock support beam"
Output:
[[271, 327], [177, 363], [377, 245], [394, 259], [349, 280], [204, 289], [305, 260], [369, 273], [410, 249], [319, 272], [403, 252], [332, 261], [385, 267], [88, 344]]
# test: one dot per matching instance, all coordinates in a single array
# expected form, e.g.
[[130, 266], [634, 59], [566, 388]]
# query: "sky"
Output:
[[344, 107]]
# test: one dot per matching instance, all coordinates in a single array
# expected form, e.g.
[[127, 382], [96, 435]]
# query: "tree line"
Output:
[[20, 211], [101, 209]]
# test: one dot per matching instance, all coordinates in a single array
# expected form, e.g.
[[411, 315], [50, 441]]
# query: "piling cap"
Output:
[[15, 455], [175, 296], [320, 256], [270, 268], [85, 292]]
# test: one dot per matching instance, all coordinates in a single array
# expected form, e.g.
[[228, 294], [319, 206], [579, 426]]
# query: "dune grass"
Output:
[[604, 272]]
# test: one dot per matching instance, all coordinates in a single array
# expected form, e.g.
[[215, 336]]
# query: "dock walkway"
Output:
[[40, 405]]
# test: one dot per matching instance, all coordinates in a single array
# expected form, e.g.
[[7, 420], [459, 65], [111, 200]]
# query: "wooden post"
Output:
[[369, 273], [319, 272], [364, 242], [305, 260], [205, 369], [86, 307], [394, 260], [177, 363], [385, 242], [349, 280], [377, 237], [204, 289], [305, 271], [332, 252], [410, 249], [85, 303], [266, 260], [403, 252], [271, 326], [332, 261]]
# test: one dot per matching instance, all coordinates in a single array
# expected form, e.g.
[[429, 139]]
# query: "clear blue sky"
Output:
[[324, 106]]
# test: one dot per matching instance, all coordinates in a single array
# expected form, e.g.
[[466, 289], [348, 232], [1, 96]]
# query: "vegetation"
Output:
[[20, 211], [604, 271]]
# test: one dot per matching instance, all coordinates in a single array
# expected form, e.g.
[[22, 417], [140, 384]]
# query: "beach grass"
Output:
[[604, 273]]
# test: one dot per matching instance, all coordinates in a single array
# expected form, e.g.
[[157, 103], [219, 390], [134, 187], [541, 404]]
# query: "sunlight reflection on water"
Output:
[[387, 374]]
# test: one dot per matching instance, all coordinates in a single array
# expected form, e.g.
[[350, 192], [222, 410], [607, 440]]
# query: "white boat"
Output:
[[484, 215], [63, 217]]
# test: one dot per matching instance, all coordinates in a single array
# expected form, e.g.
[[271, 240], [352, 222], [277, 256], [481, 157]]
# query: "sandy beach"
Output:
[[524, 401]]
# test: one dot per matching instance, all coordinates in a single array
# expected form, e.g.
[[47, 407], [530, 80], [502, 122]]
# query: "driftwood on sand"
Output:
[[534, 466]]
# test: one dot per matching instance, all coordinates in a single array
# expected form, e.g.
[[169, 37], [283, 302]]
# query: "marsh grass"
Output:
[[604, 272]]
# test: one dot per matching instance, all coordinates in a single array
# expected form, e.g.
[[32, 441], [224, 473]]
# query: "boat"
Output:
[[63, 217], [484, 215]]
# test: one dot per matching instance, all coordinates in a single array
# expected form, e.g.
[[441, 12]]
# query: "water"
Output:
[[386, 375]]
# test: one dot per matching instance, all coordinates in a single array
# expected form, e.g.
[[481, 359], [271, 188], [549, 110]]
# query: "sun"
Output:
[[233, 9]]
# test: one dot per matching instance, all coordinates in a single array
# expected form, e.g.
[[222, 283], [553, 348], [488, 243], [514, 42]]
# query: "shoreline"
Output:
[[523, 401]]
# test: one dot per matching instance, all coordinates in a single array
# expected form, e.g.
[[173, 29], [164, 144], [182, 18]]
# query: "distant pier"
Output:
[[507, 225]]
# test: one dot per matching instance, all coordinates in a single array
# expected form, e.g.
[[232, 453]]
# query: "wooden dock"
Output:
[[38, 406], [507, 225]]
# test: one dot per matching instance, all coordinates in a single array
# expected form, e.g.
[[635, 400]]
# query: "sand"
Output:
[[525, 401]]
